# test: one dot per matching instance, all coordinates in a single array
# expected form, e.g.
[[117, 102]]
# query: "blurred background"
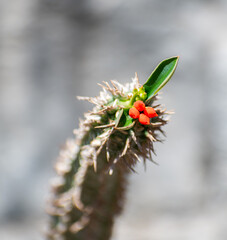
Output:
[[52, 51]]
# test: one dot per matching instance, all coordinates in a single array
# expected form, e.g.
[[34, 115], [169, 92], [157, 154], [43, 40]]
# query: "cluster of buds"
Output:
[[139, 111]]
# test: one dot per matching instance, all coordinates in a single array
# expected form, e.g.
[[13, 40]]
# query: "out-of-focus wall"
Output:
[[51, 51]]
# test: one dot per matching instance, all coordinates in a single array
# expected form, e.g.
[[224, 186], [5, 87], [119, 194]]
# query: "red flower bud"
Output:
[[139, 105], [150, 112], [134, 113], [143, 119]]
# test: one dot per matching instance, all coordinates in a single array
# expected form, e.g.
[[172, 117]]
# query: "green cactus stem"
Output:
[[92, 169]]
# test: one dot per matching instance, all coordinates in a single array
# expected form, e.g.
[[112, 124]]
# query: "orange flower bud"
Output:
[[139, 105], [143, 119], [150, 112], [134, 113]]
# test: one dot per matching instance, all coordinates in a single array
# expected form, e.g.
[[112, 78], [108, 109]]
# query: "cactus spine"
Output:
[[92, 168]]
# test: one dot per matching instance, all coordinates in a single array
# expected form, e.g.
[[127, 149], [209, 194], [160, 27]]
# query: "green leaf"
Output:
[[160, 76], [124, 121], [127, 127], [119, 115]]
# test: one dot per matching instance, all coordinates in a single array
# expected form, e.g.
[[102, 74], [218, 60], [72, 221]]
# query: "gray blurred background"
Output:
[[51, 51]]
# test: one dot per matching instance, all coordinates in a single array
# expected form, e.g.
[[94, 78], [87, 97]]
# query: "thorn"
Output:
[[157, 124], [89, 99], [115, 160], [109, 88], [117, 91], [107, 84], [137, 80], [136, 157], [94, 101], [111, 171], [99, 112], [82, 98], [145, 165], [150, 147], [163, 110], [95, 163], [104, 87], [154, 162], [125, 148], [170, 112], [118, 85], [163, 133], [78, 225], [77, 202], [106, 126], [156, 106], [151, 137], [107, 152], [108, 133], [135, 139], [116, 88], [129, 166]]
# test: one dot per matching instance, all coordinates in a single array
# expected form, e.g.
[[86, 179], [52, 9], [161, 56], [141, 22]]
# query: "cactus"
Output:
[[92, 168]]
